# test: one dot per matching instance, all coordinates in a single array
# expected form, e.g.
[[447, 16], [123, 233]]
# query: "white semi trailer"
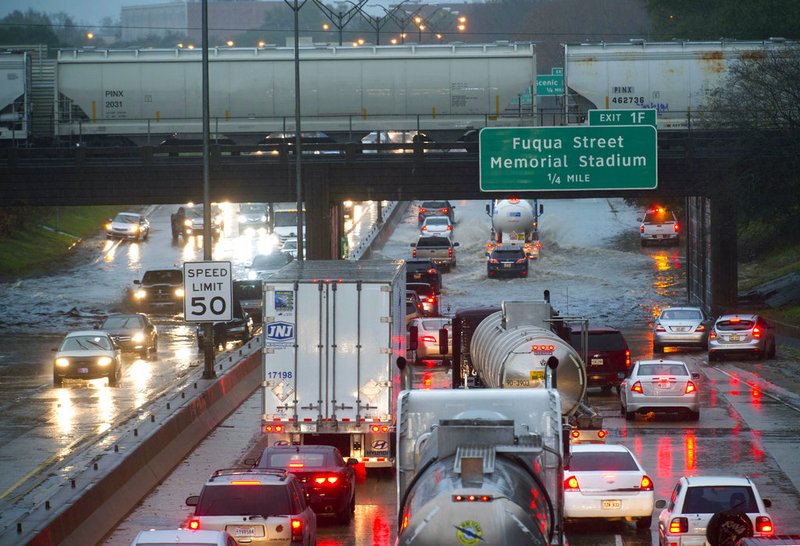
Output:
[[333, 331], [145, 91], [15, 96], [673, 78], [482, 466]]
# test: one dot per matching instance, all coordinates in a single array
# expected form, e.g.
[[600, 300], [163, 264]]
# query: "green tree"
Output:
[[31, 27]]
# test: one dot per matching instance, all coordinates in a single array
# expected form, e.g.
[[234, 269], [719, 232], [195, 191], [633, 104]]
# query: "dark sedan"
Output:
[[329, 480], [133, 332], [511, 261]]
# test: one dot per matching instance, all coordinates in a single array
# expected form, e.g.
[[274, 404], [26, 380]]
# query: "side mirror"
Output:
[[413, 245], [251, 462], [443, 341], [137, 281], [695, 375], [53, 350], [661, 503], [401, 363], [351, 461], [413, 338], [456, 244], [767, 503], [192, 501]]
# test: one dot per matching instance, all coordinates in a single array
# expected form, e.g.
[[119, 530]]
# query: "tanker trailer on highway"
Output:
[[140, 92], [333, 331], [482, 466], [674, 78], [515, 221]]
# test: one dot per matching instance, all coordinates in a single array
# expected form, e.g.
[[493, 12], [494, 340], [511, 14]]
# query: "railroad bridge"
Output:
[[691, 165]]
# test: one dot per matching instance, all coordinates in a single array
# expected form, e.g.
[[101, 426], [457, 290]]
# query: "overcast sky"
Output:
[[82, 11]]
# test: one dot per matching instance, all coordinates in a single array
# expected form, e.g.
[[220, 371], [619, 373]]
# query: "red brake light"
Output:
[[627, 358], [712, 334], [194, 524], [660, 328], [414, 252], [679, 525], [493, 261], [297, 529], [513, 200], [764, 525], [637, 387], [244, 482], [646, 483], [690, 387], [444, 211], [571, 484], [449, 228], [434, 270], [575, 434], [700, 328], [431, 300], [450, 252], [676, 227], [296, 465], [602, 434], [521, 260], [423, 210], [326, 479], [428, 339], [424, 228], [756, 332], [376, 428], [641, 228]]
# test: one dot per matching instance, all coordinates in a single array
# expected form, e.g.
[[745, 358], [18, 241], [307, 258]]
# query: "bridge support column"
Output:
[[324, 226]]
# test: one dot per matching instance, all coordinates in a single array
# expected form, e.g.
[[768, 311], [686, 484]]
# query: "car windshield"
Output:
[[602, 341], [287, 218], [710, 499], [294, 461], [244, 500], [269, 261], [437, 221], [601, 461], [252, 208], [508, 255], [119, 323], [411, 307], [86, 343], [435, 324], [663, 369], [430, 205], [682, 314], [422, 289], [658, 217], [433, 242], [194, 212], [247, 290], [734, 325], [127, 218], [290, 245], [163, 277]]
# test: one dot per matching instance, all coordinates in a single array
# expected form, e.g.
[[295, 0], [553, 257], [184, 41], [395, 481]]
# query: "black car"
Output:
[[133, 332], [435, 208], [507, 261], [329, 481], [239, 328], [427, 297], [159, 289], [424, 270], [249, 295], [608, 359]]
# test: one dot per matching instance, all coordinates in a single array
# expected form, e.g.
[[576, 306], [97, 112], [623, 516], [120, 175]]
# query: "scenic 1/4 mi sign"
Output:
[[568, 158]]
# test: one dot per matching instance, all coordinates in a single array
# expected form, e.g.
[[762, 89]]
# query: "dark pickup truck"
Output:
[[441, 250]]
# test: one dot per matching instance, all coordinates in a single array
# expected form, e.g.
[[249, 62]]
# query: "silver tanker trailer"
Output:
[[480, 466]]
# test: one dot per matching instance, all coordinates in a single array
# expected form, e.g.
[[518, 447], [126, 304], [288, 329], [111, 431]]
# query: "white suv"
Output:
[[695, 499], [255, 506], [659, 225]]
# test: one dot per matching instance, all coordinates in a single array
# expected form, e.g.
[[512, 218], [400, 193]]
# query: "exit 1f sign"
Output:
[[622, 117]]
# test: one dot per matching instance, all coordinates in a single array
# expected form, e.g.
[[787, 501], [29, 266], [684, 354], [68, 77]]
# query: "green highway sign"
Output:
[[557, 71], [622, 117], [568, 158], [549, 85]]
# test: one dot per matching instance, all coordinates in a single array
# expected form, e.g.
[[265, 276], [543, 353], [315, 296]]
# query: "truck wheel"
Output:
[[644, 242], [58, 381], [113, 378], [771, 352], [694, 415], [644, 524], [658, 348], [630, 415]]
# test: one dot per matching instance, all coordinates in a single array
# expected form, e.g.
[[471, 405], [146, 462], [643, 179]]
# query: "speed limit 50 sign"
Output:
[[208, 292]]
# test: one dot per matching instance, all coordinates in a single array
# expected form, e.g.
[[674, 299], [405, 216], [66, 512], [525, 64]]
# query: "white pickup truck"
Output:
[[659, 225]]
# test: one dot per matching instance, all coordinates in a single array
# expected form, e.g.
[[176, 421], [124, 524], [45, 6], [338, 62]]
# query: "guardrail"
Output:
[[363, 246]]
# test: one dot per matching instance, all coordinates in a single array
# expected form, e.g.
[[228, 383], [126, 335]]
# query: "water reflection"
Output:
[[64, 412], [134, 256], [141, 373], [106, 409]]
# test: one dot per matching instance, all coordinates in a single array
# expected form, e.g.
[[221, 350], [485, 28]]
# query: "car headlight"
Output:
[[108, 227], [179, 292], [243, 218], [187, 223], [133, 229], [263, 218], [104, 361], [138, 337], [252, 275], [140, 294], [62, 362]]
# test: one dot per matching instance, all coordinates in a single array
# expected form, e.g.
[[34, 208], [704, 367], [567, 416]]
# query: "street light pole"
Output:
[[208, 327], [340, 19]]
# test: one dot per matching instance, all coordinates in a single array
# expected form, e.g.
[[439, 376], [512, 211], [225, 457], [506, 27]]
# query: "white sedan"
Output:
[[660, 385], [87, 354], [607, 481], [436, 225]]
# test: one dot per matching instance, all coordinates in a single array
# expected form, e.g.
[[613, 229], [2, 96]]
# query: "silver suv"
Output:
[[256, 506]]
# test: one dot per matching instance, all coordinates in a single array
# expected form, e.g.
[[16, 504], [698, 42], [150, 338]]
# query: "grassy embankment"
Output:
[[773, 265], [36, 249]]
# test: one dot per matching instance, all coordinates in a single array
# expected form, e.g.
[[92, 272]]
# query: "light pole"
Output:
[[208, 327], [400, 20], [337, 18], [296, 5]]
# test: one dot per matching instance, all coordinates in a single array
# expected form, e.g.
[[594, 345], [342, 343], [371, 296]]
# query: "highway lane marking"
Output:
[[759, 388], [617, 540]]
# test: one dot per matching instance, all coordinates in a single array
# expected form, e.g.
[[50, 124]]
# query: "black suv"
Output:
[[418, 270], [240, 328], [507, 261], [435, 208], [608, 358], [159, 288]]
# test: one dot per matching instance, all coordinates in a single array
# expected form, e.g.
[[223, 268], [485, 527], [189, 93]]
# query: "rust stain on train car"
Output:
[[715, 61]]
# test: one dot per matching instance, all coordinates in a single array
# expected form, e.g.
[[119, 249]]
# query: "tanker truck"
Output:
[[483, 466], [515, 222], [510, 349]]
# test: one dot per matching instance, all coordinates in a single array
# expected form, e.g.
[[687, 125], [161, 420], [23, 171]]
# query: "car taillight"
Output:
[[321, 480], [646, 484], [380, 428], [679, 525], [756, 332], [414, 252], [450, 252], [472, 498], [521, 260], [660, 328], [423, 210], [194, 524], [449, 228], [444, 211], [493, 261], [571, 484], [700, 328], [627, 358], [296, 465], [637, 387], [764, 525], [273, 428], [641, 228], [297, 529], [676, 227], [428, 339], [690, 387], [424, 228], [712, 335], [432, 271], [430, 300]]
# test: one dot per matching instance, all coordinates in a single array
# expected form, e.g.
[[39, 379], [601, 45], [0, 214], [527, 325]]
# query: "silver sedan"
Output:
[[680, 327], [660, 385]]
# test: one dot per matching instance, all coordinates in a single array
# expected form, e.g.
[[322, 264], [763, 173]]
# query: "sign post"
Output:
[[208, 292], [568, 158]]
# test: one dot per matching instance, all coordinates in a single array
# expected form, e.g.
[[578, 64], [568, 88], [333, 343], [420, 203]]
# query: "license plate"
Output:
[[611, 504], [417, 275], [245, 531], [308, 427], [663, 384], [734, 338], [597, 362], [508, 266], [681, 328], [83, 370]]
